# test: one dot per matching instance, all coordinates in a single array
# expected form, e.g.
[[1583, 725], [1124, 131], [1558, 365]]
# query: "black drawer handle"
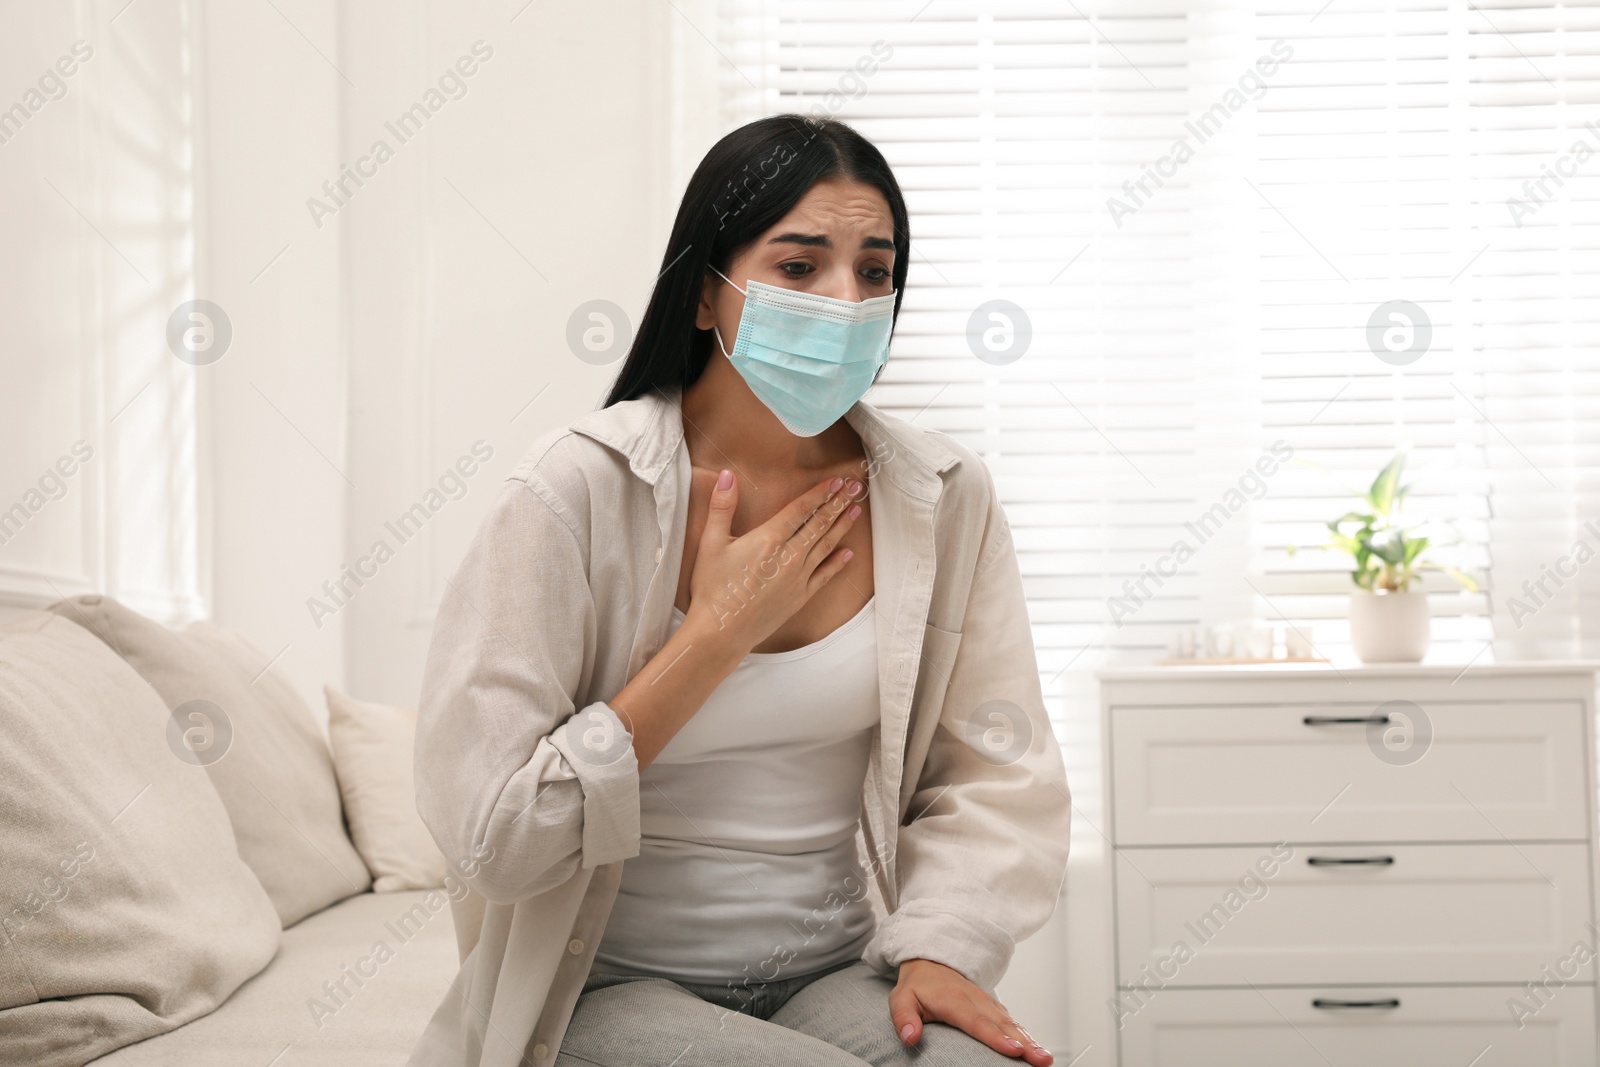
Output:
[[1350, 861], [1340, 720], [1392, 1002]]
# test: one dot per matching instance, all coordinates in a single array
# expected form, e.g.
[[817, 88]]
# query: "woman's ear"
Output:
[[705, 315]]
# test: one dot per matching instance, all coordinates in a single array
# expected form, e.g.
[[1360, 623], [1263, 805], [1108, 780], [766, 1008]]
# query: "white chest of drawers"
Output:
[[1378, 866]]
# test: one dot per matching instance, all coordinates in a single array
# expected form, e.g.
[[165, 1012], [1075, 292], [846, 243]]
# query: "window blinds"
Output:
[[1194, 216]]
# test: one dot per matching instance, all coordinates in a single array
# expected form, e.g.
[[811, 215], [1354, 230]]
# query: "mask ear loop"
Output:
[[727, 279], [714, 329]]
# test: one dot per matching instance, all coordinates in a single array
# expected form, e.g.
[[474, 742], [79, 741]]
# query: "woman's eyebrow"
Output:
[[820, 240]]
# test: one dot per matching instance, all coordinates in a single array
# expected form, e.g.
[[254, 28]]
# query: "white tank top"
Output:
[[747, 866]]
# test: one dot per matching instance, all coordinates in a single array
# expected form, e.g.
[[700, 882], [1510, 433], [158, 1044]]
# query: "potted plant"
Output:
[[1389, 620]]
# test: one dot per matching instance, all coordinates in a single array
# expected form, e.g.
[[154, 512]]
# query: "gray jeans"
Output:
[[837, 1017]]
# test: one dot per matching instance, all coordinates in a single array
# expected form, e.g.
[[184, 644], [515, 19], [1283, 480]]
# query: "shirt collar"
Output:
[[649, 431]]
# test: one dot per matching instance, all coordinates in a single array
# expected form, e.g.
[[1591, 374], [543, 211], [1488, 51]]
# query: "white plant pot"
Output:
[[1390, 627]]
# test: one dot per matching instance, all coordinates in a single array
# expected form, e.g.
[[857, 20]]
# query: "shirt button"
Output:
[[575, 946], [539, 1051]]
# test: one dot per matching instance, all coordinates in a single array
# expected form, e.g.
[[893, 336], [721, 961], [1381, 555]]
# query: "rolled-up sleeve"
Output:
[[982, 857], [517, 785]]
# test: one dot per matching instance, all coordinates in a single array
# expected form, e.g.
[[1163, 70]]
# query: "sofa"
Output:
[[194, 874]]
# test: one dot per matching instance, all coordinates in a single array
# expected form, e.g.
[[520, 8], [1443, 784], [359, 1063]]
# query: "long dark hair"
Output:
[[747, 182]]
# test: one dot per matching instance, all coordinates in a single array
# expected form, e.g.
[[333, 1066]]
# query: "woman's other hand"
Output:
[[931, 991], [743, 588]]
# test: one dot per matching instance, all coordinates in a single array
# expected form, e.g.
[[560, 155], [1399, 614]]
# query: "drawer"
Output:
[[1430, 1027], [1430, 914], [1263, 774]]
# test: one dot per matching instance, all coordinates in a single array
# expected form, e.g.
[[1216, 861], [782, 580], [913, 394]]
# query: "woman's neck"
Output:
[[727, 425]]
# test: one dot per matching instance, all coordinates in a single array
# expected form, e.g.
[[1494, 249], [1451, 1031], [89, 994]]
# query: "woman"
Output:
[[769, 644]]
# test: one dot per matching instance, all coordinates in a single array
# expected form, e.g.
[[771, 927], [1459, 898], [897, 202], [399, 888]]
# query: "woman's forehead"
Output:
[[839, 203]]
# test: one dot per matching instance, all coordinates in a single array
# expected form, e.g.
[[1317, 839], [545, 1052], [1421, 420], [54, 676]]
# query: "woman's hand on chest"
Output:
[[773, 581]]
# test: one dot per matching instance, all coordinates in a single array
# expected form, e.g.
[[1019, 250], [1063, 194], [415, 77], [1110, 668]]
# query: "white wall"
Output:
[[277, 432], [548, 184], [171, 168], [97, 138], [372, 344]]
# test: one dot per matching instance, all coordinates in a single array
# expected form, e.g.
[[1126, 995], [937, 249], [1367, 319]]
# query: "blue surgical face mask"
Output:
[[808, 357]]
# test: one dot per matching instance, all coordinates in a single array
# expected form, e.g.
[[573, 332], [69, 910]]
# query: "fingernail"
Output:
[[905, 1031], [833, 486], [847, 557], [1013, 1042], [855, 510], [725, 479]]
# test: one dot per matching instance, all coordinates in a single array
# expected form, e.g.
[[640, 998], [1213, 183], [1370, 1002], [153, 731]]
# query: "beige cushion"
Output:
[[352, 986], [372, 752], [275, 775], [127, 910]]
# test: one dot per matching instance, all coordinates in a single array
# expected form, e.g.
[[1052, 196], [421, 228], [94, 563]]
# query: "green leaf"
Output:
[[1382, 493], [1414, 548], [1344, 543], [1389, 547], [1357, 516]]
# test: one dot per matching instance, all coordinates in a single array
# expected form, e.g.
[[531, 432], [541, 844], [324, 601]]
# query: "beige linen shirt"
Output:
[[527, 779]]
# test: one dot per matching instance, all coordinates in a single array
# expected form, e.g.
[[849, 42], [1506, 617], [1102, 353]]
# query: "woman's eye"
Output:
[[800, 269], [876, 274]]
